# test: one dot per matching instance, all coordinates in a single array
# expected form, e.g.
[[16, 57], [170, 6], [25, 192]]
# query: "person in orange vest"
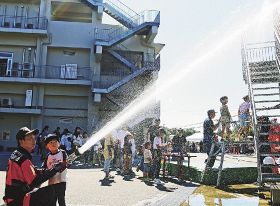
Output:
[[274, 136], [23, 179]]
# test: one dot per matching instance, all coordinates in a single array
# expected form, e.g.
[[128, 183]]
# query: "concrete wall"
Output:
[[57, 57], [65, 102], [12, 123], [17, 92], [17, 39]]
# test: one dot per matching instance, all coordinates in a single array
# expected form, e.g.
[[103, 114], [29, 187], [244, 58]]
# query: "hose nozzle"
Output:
[[72, 157]]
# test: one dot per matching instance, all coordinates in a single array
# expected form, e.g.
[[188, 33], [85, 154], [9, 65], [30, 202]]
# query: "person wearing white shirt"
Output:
[[77, 138], [119, 135], [66, 142], [157, 146], [133, 150]]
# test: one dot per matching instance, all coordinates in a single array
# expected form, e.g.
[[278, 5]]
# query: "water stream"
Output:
[[197, 63]]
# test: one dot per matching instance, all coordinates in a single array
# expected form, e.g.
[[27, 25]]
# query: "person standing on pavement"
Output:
[[77, 138], [66, 141], [208, 133], [119, 135], [152, 131], [108, 154], [157, 147], [23, 179], [133, 150], [55, 156]]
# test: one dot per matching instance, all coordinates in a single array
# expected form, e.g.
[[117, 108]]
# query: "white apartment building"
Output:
[[61, 66]]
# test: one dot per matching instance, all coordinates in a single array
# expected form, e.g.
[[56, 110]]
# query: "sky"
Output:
[[211, 31]]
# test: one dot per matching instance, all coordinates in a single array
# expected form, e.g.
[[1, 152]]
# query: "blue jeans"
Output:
[[107, 163], [243, 118], [207, 148]]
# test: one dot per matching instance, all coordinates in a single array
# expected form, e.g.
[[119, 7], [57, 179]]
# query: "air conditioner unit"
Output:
[[7, 102], [69, 71], [28, 98]]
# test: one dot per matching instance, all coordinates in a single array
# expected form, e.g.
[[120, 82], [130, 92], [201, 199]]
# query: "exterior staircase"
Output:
[[261, 73], [112, 36], [123, 60], [98, 87], [120, 12], [131, 23]]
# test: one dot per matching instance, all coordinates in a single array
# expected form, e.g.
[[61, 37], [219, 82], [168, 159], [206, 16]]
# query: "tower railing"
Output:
[[260, 52]]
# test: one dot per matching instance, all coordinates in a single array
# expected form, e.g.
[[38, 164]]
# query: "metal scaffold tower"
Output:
[[261, 74]]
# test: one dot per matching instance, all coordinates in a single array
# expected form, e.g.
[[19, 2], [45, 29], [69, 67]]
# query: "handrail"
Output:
[[150, 16], [253, 108], [122, 8], [276, 23], [262, 54], [29, 70]]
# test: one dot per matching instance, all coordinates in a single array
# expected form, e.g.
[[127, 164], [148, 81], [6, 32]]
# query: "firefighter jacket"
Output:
[[22, 177]]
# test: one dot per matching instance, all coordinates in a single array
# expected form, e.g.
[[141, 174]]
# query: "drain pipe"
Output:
[[42, 44]]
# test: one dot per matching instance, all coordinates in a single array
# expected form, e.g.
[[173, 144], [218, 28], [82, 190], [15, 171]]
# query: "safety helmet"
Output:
[[268, 161], [277, 161]]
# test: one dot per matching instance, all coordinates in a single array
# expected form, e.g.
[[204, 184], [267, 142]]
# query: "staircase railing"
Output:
[[150, 16], [253, 108], [150, 60], [276, 23], [122, 8]]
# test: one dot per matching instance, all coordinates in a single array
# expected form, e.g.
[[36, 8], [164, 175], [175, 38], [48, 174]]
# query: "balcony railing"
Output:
[[22, 22], [45, 72]]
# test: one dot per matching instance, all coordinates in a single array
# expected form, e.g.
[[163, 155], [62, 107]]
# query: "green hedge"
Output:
[[243, 175]]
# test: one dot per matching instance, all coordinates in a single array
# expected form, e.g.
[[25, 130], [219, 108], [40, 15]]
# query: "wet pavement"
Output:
[[234, 195]]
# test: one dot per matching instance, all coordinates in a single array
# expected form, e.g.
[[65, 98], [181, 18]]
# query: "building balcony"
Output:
[[64, 74], [33, 25], [7, 105], [21, 110]]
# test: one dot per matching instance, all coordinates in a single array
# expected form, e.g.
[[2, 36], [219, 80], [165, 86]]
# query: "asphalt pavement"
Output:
[[86, 187]]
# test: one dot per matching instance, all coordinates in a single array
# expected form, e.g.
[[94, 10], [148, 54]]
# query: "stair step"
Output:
[[265, 80], [269, 177], [271, 94], [266, 88], [267, 143], [270, 116], [265, 73], [267, 101], [267, 108], [270, 154]]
